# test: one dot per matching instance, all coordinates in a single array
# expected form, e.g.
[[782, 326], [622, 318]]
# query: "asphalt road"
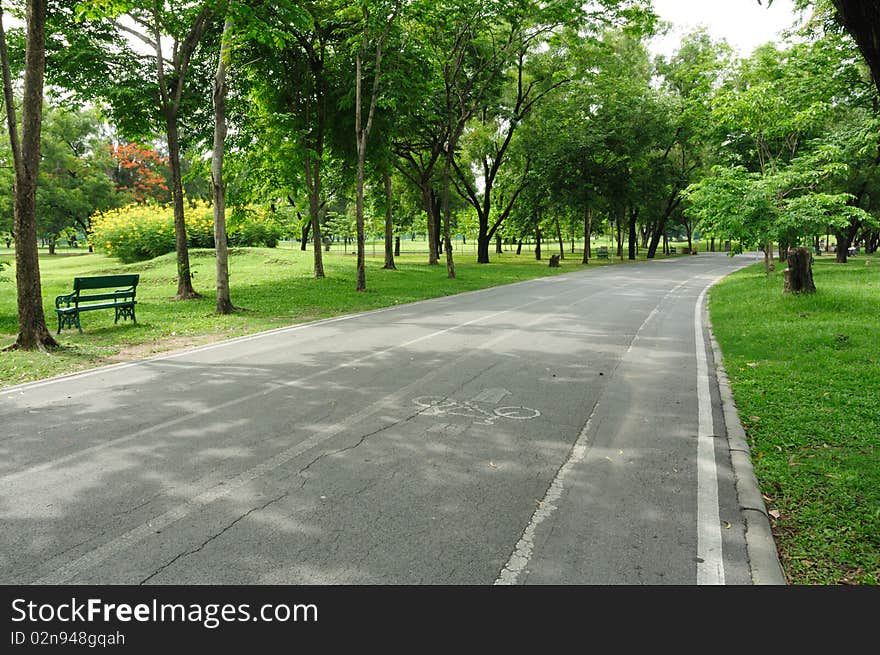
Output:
[[565, 430]]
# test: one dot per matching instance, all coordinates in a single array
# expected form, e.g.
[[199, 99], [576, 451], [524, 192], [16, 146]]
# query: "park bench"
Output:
[[91, 293], [602, 252]]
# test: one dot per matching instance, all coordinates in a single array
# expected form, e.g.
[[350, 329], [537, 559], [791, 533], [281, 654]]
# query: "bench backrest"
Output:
[[105, 282]]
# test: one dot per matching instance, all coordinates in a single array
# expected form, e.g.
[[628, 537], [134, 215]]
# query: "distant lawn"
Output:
[[274, 286], [805, 372]]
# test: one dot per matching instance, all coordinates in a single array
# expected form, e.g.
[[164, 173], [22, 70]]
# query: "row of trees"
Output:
[[520, 117]]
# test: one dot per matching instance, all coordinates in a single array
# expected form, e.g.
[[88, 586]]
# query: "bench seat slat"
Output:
[[85, 308]]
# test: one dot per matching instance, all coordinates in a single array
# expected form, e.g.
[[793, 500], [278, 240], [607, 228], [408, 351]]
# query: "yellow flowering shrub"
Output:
[[144, 231]]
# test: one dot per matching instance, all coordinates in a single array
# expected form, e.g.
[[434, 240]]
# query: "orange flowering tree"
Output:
[[142, 172]]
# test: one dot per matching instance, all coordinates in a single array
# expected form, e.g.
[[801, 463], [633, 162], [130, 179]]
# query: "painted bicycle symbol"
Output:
[[437, 406]]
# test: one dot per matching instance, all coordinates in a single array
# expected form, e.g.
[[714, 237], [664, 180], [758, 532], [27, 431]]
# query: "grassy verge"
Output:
[[805, 373], [275, 288]]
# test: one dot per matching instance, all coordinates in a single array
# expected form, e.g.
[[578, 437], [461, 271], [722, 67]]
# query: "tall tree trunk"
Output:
[[447, 182], [224, 302], [519, 247], [769, 266], [537, 243], [32, 331], [620, 218], [389, 225], [313, 180], [185, 289], [659, 231], [588, 234], [559, 235], [633, 215], [844, 241], [498, 244], [304, 239], [428, 202], [361, 139], [483, 248]]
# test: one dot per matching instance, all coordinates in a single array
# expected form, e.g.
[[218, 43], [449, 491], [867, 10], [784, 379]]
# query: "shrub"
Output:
[[253, 227], [139, 232]]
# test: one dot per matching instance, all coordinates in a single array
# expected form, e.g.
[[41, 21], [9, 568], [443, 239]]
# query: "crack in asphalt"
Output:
[[409, 418], [212, 537], [359, 442]]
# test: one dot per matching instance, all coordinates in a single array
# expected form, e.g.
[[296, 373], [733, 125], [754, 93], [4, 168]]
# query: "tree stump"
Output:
[[554, 261], [798, 277]]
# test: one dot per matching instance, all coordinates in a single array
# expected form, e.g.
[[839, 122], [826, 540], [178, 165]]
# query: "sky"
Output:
[[743, 23]]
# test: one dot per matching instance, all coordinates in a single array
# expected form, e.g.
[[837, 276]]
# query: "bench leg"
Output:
[[69, 321], [124, 313]]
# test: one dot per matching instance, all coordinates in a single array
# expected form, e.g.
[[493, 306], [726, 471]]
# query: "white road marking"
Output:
[[710, 561], [62, 572], [271, 387], [524, 549]]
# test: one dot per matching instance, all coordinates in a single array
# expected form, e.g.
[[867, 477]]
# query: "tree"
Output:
[[386, 18], [792, 151], [160, 91], [73, 182], [224, 302], [141, 171], [295, 101], [32, 331], [690, 78]]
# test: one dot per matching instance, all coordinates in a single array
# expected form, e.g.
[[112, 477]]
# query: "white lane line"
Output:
[[273, 386], [710, 562], [524, 549], [64, 572]]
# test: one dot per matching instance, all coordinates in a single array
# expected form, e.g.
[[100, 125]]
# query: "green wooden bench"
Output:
[[602, 252], [89, 293]]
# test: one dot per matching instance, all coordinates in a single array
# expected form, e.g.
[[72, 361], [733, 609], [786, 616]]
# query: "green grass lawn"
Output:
[[275, 288], [805, 373]]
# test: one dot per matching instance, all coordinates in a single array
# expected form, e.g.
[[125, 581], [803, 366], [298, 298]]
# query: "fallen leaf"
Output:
[[727, 525], [775, 514], [791, 461], [492, 465], [752, 364], [754, 419]]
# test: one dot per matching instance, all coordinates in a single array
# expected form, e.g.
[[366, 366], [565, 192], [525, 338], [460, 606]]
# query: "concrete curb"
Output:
[[763, 556]]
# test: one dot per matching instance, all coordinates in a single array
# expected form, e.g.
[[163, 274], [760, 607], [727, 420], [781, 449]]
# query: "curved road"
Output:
[[558, 431]]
